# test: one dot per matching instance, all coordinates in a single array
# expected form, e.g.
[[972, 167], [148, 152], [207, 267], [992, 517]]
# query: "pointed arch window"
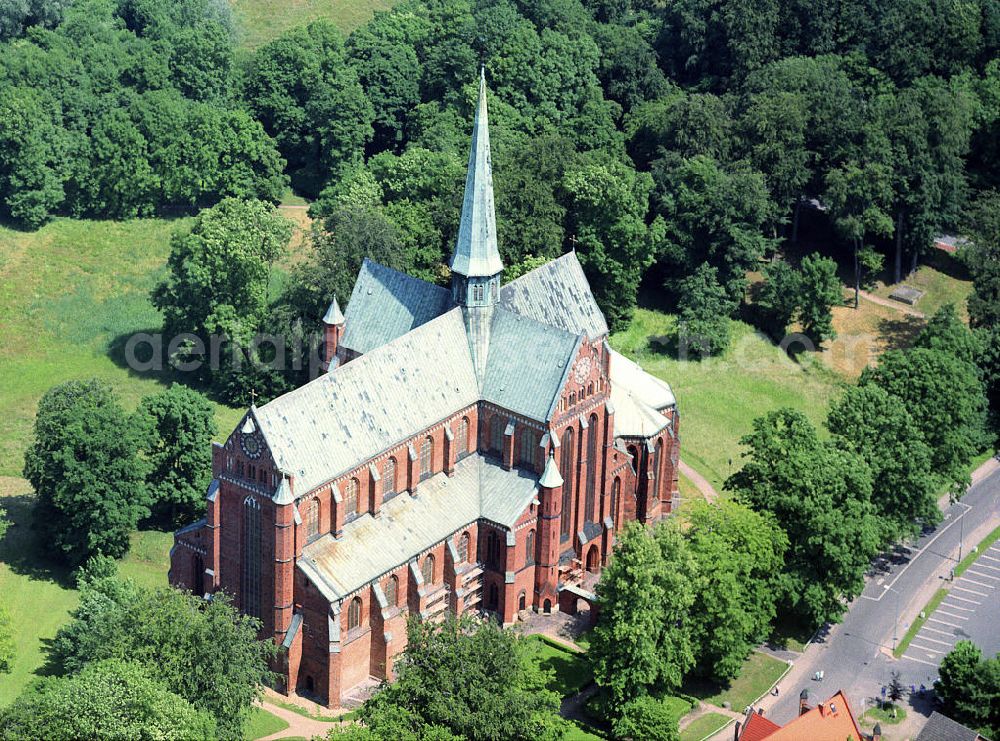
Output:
[[389, 478], [250, 598], [354, 614], [529, 548], [312, 518], [477, 293], [392, 591], [463, 548], [462, 437], [496, 434], [494, 597], [566, 471], [590, 495], [528, 447], [654, 482], [425, 457], [428, 570], [616, 495], [351, 497]]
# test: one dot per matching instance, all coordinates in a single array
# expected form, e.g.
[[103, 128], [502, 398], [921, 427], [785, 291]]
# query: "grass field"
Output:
[[719, 398], [705, 726], [758, 675], [570, 668], [71, 292], [263, 20], [39, 593], [262, 724], [942, 278], [884, 715]]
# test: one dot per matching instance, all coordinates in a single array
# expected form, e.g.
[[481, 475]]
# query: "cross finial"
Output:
[[253, 396], [573, 241]]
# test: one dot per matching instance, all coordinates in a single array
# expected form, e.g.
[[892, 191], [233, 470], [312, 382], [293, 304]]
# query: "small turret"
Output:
[[333, 330]]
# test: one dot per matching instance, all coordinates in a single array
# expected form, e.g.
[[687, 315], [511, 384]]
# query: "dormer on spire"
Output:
[[476, 254], [333, 330]]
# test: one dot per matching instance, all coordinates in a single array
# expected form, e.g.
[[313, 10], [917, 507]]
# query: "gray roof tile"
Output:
[[386, 304], [557, 294], [526, 364], [340, 420]]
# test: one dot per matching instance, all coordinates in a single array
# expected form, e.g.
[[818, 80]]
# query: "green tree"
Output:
[[177, 426], [738, 555], [969, 687], [607, 214], [205, 651], [16, 15], [859, 198], [877, 426], [84, 466], [218, 280], [777, 301], [302, 89], [715, 215], [946, 332], [946, 399], [468, 678], [983, 259], [114, 699], [642, 637], [705, 308], [8, 649], [646, 717], [820, 291], [821, 497]]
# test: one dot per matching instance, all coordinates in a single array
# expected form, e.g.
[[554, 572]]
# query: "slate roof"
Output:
[[637, 398], [557, 294], [942, 728], [526, 364], [386, 304], [341, 419], [406, 525], [476, 252]]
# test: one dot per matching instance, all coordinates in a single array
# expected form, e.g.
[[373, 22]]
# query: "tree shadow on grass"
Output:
[[899, 334], [24, 549]]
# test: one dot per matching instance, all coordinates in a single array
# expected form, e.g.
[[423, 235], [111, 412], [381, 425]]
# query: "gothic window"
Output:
[[354, 614], [389, 478], [528, 446], [477, 293], [566, 471], [312, 518], [494, 596], [572, 398], [654, 482], [496, 434], [616, 493], [492, 549], [252, 555], [493, 290], [591, 494], [462, 437], [529, 547], [634, 454], [590, 389], [463, 548], [392, 590], [425, 458], [428, 570], [351, 497]]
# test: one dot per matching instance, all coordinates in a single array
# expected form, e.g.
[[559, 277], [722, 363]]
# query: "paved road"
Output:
[[856, 655]]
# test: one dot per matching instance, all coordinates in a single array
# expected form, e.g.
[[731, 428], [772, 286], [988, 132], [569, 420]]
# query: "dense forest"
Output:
[[674, 142]]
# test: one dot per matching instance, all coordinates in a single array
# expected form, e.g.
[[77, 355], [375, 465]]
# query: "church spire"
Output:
[[476, 253]]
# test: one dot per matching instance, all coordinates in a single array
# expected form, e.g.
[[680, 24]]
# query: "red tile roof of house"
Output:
[[758, 728], [828, 721]]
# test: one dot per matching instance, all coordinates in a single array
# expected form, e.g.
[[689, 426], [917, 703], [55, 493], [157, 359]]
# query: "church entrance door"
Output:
[[593, 559]]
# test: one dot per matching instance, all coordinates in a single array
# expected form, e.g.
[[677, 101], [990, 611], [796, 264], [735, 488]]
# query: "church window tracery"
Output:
[[462, 437], [428, 570], [312, 518], [354, 614], [425, 458], [351, 497], [389, 478], [392, 590], [566, 471], [250, 588], [529, 548]]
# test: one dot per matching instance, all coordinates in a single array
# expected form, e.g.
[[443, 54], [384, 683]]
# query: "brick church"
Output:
[[472, 449]]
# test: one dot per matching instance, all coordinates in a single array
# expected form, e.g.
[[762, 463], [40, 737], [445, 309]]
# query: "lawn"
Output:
[[884, 715], [571, 670], [39, 593], [758, 675], [942, 278], [719, 398], [262, 724], [918, 623], [705, 726], [262, 20], [72, 292]]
